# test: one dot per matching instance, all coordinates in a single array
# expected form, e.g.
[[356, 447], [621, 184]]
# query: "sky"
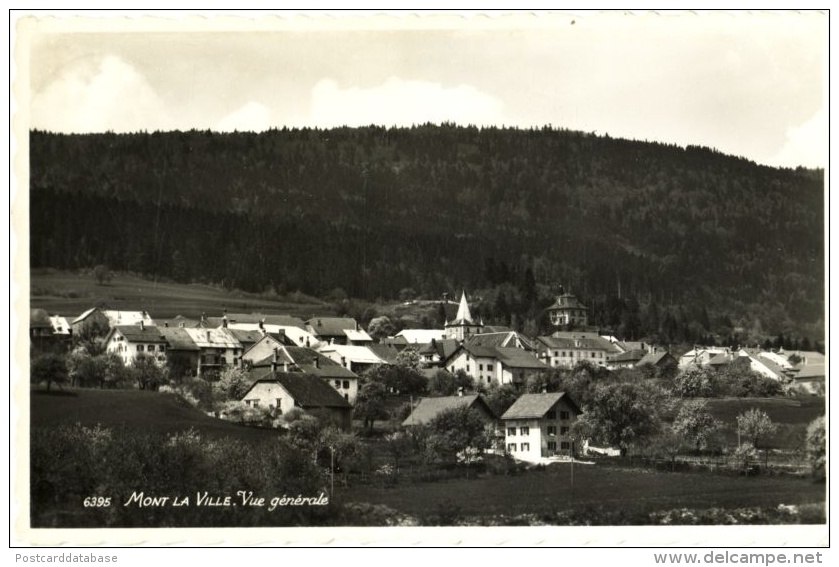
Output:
[[748, 84]]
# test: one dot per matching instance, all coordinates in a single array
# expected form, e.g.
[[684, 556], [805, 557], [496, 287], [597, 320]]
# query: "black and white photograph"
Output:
[[350, 270]]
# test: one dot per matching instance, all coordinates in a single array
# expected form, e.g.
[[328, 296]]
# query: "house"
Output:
[[182, 353], [40, 330], [93, 320], [810, 378], [659, 359], [626, 359], [130, 341], [701, 356], [305, 360], [262, 349], [436, 352], [565, 349], [116, 317], [293, 335], [463, 325], [430, 408], [355, 358], [334, 329], [494, 365], [256, 318], [218, 348], [567, 310], [537, 426], [283, 392]]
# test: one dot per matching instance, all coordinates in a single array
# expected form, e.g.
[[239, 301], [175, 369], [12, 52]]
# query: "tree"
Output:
[[409, 358], [398, 444], [816, 454], [148, 374], [370, 404], [233, 383], [500, 398], [754, 424], [442, 383], [50, 368], [622, 414], [694, 382], [456, 429], [102, 274], [381, 327], [695, 423]]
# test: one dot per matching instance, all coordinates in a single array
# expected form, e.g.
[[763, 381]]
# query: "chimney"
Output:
[[307, 342], [224, 321], [275, 360], [142, 325], [208, 335], [317, 362], [344, 362], [202, 317], [166, 323], [319, 323], [262, 325], [544, 388], [285, 366]]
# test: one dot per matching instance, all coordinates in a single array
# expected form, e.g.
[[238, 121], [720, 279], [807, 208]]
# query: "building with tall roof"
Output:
[[567, 310], [538, 426], [463, 325]]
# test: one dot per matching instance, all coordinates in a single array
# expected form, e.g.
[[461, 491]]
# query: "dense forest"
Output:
[[644, 233]]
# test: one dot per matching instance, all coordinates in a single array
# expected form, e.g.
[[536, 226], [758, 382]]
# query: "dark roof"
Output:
[[303, 360], [628, 356], [444, 348], [810, 372], [496, 329], [655, 358], [577, 340], [387, 353], [512, 357], [429, 408], [250, 337], [309, 392], [254, 318], [138, 334], [38, 318], [530, 406], [500, 339], [179, 321], [331, 326], [567, 301], [178, 338]]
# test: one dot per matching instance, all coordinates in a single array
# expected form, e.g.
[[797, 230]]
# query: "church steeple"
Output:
[[463, 326]]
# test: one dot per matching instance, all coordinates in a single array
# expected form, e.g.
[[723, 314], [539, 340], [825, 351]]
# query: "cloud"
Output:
[[97, 94], [399, 102], [806, 144], [252, 117]]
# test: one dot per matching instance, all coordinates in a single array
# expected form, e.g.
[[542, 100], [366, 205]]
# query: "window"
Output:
[[525, 446], [346, 384], [551, 415], [481, 367], [347, 397], [551, 430], [564, 415], [565, 445], [525, 430], [551, 445], [279, 402], [489, 380], [593, 355], [563, 353], [511, 447], [511, 431], [556, 353], [161, 348], [337, 384], [563, 431], [139, 348]]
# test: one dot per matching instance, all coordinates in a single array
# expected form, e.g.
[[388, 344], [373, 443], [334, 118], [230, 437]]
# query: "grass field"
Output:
[[136, 410], [629, 490], [71, 293]]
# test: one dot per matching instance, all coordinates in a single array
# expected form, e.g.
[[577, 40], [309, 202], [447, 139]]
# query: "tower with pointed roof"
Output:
[[463, 325]]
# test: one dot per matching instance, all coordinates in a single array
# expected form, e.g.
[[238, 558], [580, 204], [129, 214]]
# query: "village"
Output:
[[320, 366]]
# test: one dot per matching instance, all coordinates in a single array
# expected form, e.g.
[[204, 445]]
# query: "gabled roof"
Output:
[[654, 358], [178, 338], [308, 392], [179, 321], [248, 337], [387, 353], [302, 359], [331, 326], [810, 371], [421, 336], [139, 334], [444, 348], [535, 406], [117, 317], [295, 335], [359, 354], [628, 356], [359, 336], [501, 339], [255, 318], [587, 341], [496, 329], [429, 408], [512, 357], [213, 338], [84, 315]]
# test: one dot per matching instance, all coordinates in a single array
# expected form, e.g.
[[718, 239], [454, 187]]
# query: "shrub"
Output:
[[816, 454]]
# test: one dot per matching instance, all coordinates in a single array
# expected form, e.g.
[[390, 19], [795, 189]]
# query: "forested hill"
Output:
[[437, 208]]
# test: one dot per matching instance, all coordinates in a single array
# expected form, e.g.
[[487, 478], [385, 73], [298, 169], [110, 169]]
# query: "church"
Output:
[[463, 325]]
